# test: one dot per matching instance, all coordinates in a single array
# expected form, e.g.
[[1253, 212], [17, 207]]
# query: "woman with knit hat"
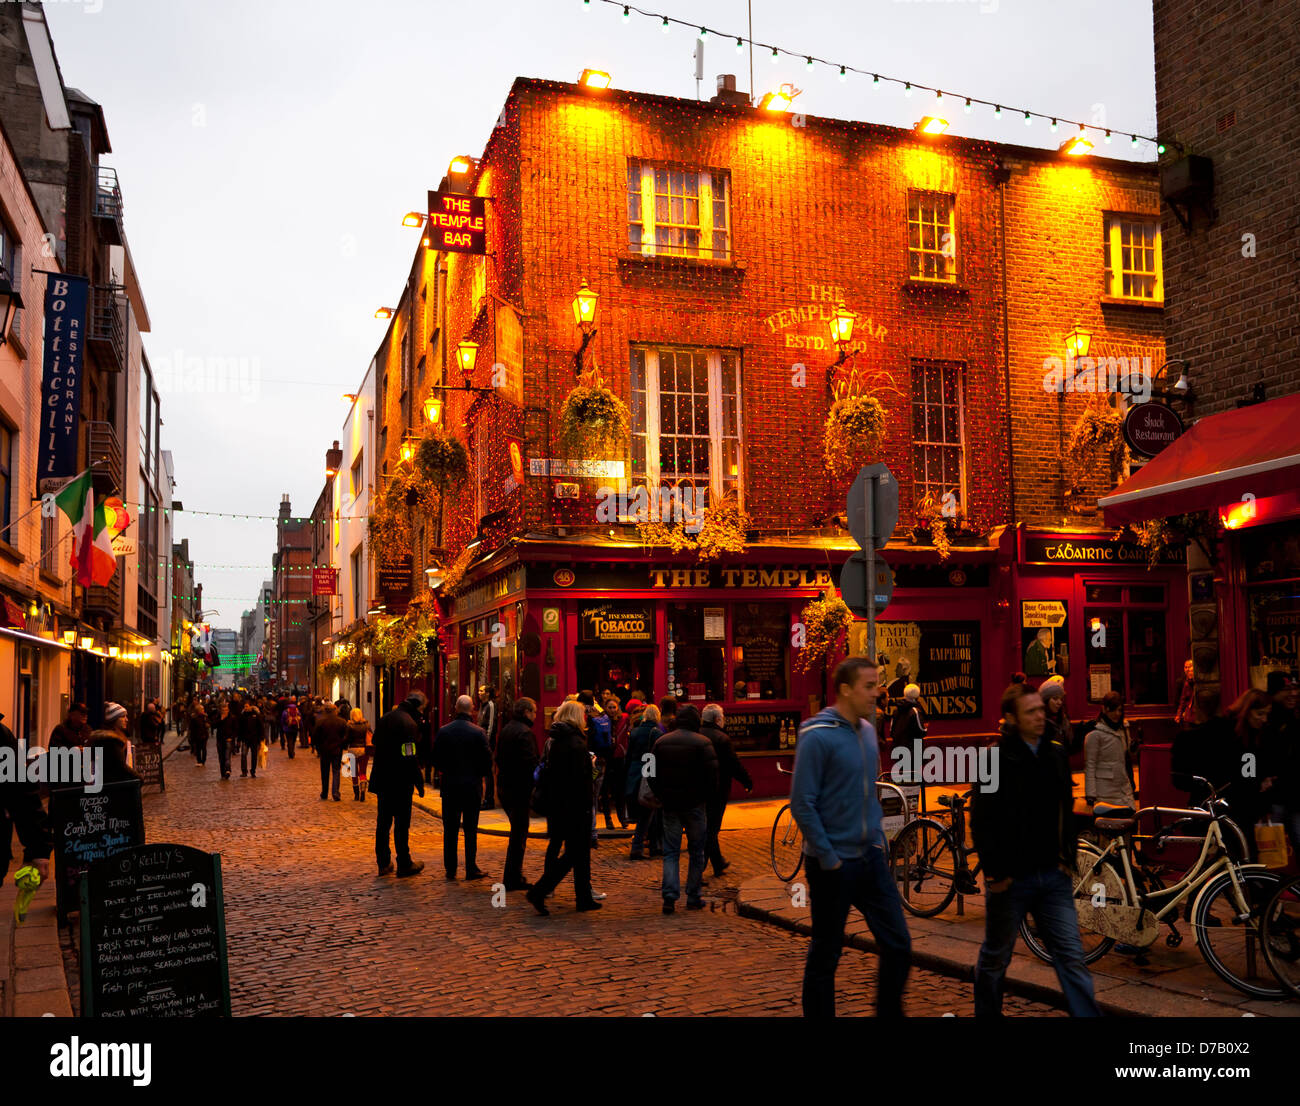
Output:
[[1059, 728], [112, 739]]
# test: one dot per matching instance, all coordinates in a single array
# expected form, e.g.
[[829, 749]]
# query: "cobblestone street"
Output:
[[312, 930]]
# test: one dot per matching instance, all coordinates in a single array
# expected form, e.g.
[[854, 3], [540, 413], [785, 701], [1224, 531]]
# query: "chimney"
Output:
[[284, 507], [333, 459], [727, 93]]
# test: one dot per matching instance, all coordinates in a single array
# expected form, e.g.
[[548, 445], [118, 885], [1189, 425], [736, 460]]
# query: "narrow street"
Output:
[[311, 930]]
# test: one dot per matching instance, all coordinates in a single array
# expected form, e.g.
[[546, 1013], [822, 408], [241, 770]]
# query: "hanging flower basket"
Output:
[[824, 620], [442, 460], [593, 420], [722, 529], [854, 433], [1097, 439]]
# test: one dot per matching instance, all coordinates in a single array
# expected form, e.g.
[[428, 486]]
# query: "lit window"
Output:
[[1131, 245], [931, 236], [1125, 644], [678, 212], [686, 418], [356, 486], [938, 431]]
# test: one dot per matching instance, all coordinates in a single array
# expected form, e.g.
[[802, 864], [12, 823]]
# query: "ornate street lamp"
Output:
[[584, 318], [466, 357], [1078, 342]]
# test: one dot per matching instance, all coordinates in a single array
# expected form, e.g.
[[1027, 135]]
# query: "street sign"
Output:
[[853, 584], [885, 505]]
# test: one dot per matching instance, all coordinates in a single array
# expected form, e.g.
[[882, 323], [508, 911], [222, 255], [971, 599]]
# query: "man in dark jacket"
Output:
[[712, 721], [329, 739], [462, 756], [72, 732], [394, 774], [685, 779], [224, 731], [1023, 825], [250, 737], [489, 721], [516, 758], [21, 809], [152, 724]]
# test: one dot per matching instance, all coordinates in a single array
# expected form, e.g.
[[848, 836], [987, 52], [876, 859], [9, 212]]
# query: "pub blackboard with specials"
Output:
[[153, 935], [89, 826], [149, 766]]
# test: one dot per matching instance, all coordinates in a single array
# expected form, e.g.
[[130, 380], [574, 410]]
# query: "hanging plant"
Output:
[[723, 528], [329, 670], [854, 433], [593, 419], [455, 573], [442, 460], [1097, 438], [350, 660], [654, 531], [417, 654], [391, 642], [935, 528], [1158, 535], [824, 621]]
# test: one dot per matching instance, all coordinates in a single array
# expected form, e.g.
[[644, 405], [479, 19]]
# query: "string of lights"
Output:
[[775, 53]]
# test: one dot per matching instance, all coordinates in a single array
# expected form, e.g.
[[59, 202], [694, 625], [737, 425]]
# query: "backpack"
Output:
[[602, 738]]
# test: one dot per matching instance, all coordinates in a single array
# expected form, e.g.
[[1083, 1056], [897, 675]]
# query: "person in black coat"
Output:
[[394, 774], [489, 721], [567, 782], [21, 809], [199, 730], [516, 759], [329, 738], [462, 757], [712, 721], [250, 737], [224, 729]]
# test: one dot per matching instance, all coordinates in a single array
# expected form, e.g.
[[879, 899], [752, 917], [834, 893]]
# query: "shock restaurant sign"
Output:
[[457, 223]]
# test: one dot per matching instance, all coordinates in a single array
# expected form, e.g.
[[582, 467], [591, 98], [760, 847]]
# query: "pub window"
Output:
[[686, 418], [49, 545], [931, 236], [760, 662], [11, 269], [1271, 556], [939, 431], [6, 484], [697, 671], [1124, 642], [679, 212], [1131, 247], [356, 487]]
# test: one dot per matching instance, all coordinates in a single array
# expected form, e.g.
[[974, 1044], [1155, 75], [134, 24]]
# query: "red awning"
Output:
[[1253, 450]]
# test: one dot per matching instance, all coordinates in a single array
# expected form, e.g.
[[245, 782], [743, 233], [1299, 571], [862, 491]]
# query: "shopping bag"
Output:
[[261, 755], [349, 769], [1272, 844]]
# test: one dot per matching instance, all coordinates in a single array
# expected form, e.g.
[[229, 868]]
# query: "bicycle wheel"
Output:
[[1231, 946], [924, 864], [787, 845], [1095, 881], [1280, 931]]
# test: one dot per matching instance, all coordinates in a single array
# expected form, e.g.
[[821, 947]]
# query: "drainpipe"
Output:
[[1002, 175]]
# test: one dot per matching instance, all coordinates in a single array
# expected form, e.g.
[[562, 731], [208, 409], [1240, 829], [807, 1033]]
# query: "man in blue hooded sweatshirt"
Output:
[[833, 797]]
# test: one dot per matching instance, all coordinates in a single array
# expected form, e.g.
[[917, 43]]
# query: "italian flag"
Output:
[[92, 542]]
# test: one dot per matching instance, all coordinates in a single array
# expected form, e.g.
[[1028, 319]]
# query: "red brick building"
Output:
[[289, 649], [1227, 110], [719, 239]]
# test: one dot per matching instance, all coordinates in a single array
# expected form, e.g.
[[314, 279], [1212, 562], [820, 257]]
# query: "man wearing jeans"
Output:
[[833, 798], [685, 778], [1023, 825]]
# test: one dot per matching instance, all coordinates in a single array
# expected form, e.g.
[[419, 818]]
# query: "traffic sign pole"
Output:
[[869, 579]]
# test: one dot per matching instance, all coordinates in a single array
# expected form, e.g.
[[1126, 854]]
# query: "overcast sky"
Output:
[[267, 150]]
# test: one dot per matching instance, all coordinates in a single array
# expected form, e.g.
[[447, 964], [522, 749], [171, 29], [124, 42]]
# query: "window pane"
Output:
[[1109, 653], [760, 643], [1146, 594], [1147, 665], [1104, 593], [700, 411], [700, 457]]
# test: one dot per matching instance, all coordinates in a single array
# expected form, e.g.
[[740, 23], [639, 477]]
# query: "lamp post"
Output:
[[1078, 342], [584, 317], [842, 320]]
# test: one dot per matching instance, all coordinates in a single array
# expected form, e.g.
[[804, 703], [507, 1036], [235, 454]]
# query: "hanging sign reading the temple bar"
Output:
[[457, 223], [65, 340]]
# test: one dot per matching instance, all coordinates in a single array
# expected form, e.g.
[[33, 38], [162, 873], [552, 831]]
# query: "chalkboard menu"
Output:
[[769, 731], [153, 935], [149, 766], [89, 826]]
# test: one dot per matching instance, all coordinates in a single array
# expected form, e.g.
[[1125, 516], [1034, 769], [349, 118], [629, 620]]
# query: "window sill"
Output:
[[672, 261], [51, 579], [1141, 305], [942, 287], [11, 554]]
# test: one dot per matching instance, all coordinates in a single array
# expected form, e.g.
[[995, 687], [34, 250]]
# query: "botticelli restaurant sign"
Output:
[[457, 223], [1094, 551], [65, 332], [615, 622]]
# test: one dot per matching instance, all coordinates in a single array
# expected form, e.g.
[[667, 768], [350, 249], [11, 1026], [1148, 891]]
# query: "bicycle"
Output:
[[1280, 932], [787, 840], [930, 862], [1225, 912]]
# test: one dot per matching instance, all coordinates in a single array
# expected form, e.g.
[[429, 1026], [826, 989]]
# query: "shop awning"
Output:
[[1253, 450]]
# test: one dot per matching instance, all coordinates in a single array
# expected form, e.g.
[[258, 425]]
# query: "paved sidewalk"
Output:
[[1176, 982], [33, 982]]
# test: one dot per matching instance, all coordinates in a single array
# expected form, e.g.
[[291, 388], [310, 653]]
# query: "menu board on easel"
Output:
[[90, 826]]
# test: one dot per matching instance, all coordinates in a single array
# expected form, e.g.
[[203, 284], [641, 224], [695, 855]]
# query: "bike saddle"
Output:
[[1113, 820], [950, 800]]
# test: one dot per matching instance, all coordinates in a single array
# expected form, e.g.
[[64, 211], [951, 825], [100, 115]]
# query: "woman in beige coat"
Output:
[[1106, 757]]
